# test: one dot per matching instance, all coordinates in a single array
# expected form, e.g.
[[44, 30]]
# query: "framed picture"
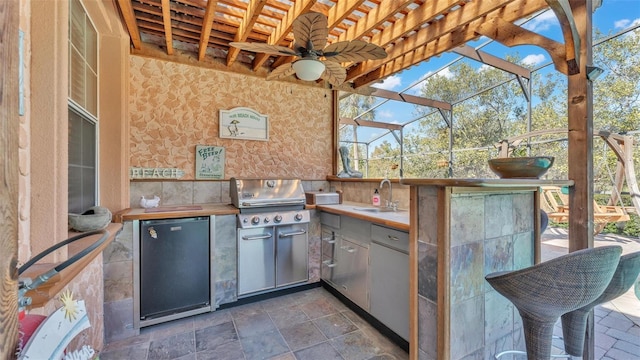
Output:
[[244, 123], [209, 162]]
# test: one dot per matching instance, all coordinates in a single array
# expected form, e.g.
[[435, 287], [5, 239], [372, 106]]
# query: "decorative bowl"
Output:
[[96, 218], [521, 167]]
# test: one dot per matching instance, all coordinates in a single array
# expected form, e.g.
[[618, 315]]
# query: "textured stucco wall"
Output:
[[174, 107]]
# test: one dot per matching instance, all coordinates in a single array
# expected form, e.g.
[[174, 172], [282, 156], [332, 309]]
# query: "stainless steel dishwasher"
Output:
[[390, 278], [174, 270]]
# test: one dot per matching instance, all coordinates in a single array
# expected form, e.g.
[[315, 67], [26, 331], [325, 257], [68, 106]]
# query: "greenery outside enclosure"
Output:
[[489, 105]]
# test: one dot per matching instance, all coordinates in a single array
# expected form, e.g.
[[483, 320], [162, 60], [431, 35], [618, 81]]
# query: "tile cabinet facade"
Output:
[[483, 231]]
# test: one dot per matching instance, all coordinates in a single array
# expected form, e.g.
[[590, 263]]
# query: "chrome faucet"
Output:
[[388, 203]]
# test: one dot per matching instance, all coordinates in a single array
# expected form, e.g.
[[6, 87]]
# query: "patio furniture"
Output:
[[544, 292], [574, 323], [555, 203]]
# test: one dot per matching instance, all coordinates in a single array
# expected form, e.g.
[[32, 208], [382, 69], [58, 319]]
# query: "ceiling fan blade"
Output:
[[310, 31], [334, 73], [281, 72], [264, 48], [353, 51]]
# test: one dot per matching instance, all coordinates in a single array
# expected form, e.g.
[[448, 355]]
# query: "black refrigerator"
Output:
[[174, 266]]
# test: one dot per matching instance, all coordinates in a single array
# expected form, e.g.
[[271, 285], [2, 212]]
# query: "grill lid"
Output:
[[261, 193]]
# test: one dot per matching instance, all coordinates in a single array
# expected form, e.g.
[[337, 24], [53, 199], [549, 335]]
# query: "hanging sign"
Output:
[[244, 123], [209, 162]]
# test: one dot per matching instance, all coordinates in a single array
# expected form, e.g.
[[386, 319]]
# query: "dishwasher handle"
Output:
[[261, 237], [301, 232]]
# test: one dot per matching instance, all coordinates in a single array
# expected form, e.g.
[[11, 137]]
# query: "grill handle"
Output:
[[272, 203], [301, 232], [256, 237]]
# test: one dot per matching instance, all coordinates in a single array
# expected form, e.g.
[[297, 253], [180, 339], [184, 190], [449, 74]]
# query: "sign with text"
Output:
[[155, 173], [244, 123], [209, 162]]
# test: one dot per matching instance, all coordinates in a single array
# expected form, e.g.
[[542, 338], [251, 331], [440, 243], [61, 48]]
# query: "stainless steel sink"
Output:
[[377, 209]]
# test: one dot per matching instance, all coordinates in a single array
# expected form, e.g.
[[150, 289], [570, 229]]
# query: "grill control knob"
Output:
[[297, 217], [266, 220], [255, 220], [277, 218]]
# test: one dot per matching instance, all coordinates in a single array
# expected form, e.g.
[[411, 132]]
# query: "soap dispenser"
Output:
[[375, 200]]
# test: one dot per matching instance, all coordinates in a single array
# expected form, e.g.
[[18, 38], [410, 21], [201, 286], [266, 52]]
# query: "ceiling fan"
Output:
[[310, 32]]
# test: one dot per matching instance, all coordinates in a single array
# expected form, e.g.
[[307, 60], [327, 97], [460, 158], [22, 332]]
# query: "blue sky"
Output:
[[610, 18]]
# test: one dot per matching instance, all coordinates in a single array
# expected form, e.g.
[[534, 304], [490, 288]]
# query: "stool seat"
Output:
[[574, 323], [545, 291]]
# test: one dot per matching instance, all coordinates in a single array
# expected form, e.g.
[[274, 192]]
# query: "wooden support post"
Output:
[[9, 124], [580, 112]]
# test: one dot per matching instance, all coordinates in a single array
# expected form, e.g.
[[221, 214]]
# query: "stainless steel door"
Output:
[[291, 254], [390, 288], [352, 272], [256, 256]]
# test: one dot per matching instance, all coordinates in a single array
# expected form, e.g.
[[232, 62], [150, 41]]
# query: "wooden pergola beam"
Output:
[[511, 35], [207, 22], [340, 11], [250, 17], [426, 43], [129, 18], [166, 19], [373, 19], [284, 27], [562, 9]]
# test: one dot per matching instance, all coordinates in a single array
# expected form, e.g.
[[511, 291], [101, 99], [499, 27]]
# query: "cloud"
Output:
[[542, 22], [484, 67], [534, 59], [389, 83], [385, 114], [446, 73], [625, 23]]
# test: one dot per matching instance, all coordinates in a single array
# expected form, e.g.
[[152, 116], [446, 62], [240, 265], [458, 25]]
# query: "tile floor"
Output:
[[307, 325]]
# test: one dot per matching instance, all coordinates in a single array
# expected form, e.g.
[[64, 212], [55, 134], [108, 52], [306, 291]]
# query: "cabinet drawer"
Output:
[[328, 219], [395, 239]]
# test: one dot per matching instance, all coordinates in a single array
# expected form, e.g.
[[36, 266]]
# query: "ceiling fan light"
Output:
[[308, 69]]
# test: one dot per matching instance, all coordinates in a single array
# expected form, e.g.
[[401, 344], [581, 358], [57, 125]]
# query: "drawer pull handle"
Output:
[[329, 264], [393, 238], [329, 241], [348, 249]]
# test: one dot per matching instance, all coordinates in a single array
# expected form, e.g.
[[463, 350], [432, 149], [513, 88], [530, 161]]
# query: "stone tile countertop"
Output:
[[394, 219], [175, 211]]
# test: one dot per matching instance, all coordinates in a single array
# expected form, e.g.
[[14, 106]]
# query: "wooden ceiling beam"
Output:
[[250, 16], [340, 11], [423, 36], [486, 58], [298, 8], [376, 17], [207, 22], [562, 9], [436, 39], [425, 13], [511, 35], [129, 18], [166, 18]]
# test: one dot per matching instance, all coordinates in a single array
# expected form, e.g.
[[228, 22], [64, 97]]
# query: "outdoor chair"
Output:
[[544, 292], [574, 323]]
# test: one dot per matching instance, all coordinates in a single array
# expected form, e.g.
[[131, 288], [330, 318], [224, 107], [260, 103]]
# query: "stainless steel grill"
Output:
[[268, 202], [272, 234]]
